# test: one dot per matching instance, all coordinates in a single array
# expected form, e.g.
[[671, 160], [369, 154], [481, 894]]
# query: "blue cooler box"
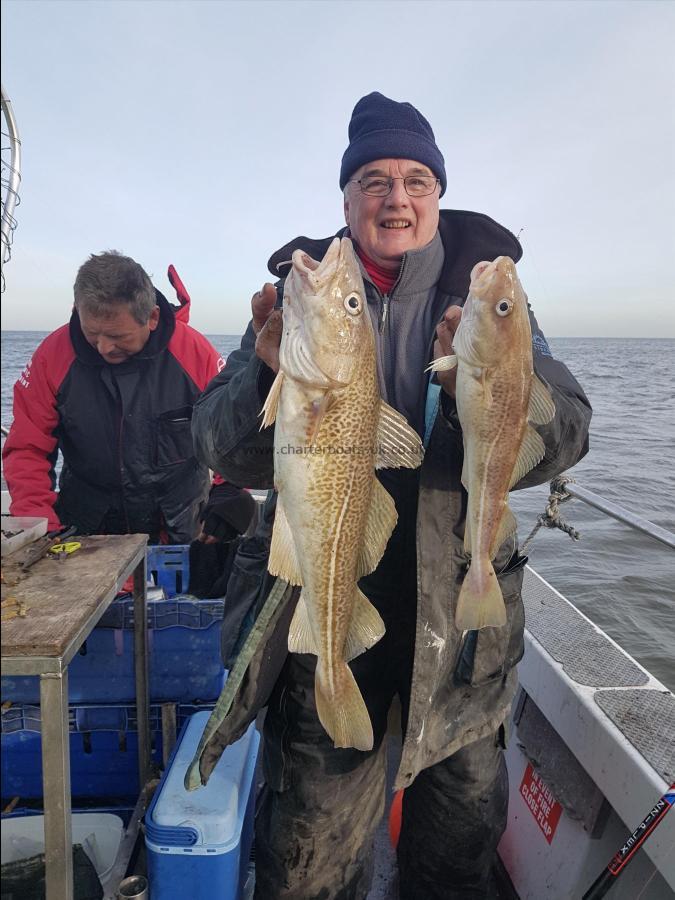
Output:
[[199, 842]]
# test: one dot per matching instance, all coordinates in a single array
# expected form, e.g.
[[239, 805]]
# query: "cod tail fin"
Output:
[[344, 716], [480, 603]]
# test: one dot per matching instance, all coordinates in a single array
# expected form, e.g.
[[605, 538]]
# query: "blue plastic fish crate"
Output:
[[198, 843], [169, 567], [103, 749], [185, 663]]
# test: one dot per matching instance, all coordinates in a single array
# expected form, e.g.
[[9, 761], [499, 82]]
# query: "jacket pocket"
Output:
[[174, 437], [488, 654]]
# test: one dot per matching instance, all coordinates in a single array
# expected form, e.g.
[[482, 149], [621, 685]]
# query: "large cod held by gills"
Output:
[[333, 517], [498, 396]]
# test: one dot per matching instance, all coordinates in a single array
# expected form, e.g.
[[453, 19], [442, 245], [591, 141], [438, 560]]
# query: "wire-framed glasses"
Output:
[[382, 185]]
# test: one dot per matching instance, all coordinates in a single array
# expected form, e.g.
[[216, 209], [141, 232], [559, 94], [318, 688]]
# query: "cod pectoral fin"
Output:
[[283, 559], [269, 410], [442, 364], [382, 518], [365, 629], [398, 445], [542, 408]]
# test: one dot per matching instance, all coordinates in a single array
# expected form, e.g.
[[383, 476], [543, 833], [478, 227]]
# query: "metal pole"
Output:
[[56, 786], [141, 667], [623, 515], [14, 176]]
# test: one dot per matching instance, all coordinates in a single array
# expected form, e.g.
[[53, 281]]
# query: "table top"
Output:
[[64, 597]]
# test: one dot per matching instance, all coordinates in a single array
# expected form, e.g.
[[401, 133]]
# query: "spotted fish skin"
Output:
[[498, 397], [334, 518]]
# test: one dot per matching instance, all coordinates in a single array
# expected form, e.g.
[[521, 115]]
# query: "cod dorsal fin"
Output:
[[382, 518], [271, 404], [542, 408], [398, 445], [283, 559], [530, 454]]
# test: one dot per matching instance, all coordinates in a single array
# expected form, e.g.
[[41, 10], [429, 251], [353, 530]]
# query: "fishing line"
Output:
[[531, 261]]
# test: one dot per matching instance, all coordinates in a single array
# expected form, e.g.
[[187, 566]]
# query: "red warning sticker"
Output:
[[541, 802]]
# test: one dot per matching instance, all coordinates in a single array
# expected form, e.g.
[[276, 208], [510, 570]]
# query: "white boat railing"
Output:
[[11, 177]]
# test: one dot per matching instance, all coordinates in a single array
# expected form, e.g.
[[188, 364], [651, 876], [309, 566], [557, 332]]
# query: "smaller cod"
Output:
[[333, 517], [498, 396]]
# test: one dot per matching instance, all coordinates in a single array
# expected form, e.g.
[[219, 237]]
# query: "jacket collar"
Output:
[[468, 237], [158, 340]]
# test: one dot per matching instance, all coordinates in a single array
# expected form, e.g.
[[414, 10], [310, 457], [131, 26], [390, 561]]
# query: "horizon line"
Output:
[[566, 337]]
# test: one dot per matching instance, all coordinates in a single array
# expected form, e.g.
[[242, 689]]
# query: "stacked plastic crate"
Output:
[[186, 676]]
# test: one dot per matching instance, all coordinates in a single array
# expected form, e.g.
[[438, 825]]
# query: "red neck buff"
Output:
[[383, 279]]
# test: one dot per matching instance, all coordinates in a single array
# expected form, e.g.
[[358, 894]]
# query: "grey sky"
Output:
[[207, 134]]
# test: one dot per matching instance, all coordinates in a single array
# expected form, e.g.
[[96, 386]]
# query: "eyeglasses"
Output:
[[382, 185]]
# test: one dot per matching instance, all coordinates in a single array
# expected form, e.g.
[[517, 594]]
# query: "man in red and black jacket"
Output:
[[113, 391]]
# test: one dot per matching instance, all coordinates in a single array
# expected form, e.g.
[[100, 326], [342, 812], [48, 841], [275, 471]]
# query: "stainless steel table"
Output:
[[64, 599]]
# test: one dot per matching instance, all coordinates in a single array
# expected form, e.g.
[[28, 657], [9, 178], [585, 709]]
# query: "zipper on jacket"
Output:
[[120, 456], [385, 310]]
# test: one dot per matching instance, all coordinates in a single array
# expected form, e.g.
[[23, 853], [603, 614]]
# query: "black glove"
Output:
[[228, 512]]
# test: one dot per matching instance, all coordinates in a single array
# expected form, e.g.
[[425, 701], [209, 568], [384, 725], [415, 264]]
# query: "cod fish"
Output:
[[498, 396], [333, 517]]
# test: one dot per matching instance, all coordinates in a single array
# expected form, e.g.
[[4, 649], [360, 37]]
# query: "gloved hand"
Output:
[[268, 325], [227, 514]]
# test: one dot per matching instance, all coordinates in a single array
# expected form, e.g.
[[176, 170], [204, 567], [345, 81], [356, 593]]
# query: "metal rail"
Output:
[[13, 179], [623, 515]]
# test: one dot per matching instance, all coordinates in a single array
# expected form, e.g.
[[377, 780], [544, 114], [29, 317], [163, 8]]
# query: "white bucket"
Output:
[[99, 833]]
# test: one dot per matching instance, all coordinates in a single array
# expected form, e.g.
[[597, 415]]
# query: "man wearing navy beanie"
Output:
[[382, 127], [321, 807]]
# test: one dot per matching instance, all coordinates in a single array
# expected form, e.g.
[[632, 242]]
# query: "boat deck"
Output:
[[640, 707]]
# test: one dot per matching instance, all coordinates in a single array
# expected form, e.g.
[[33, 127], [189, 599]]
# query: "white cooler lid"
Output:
[[215, 810]]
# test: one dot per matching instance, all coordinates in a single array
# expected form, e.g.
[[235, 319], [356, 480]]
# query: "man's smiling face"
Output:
[[387, 227]]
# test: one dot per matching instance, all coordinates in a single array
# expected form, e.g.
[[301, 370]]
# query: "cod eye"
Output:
[[352, 304], [504, 307]]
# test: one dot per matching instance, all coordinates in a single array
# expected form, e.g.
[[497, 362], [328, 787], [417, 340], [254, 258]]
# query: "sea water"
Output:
[[620, 578]]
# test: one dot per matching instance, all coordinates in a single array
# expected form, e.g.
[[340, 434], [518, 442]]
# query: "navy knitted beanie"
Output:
[[381, 128]]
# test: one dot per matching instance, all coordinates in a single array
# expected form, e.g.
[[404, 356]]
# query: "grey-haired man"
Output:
[[113, 391], [315, 827]]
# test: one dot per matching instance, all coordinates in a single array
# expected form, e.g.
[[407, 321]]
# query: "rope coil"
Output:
[[551, 517]]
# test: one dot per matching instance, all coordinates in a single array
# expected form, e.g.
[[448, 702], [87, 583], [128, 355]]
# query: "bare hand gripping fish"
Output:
[[333, 517], [498, 395]]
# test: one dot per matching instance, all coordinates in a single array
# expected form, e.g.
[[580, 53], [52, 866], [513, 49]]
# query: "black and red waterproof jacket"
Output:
[[123, 430]]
